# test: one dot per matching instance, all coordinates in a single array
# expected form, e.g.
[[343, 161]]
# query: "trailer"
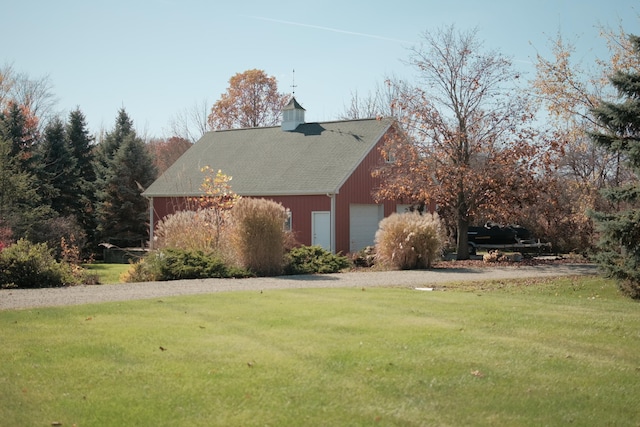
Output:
[[510, 237]]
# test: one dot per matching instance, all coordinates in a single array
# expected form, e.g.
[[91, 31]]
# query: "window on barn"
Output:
[[390, 157], [287, 222]]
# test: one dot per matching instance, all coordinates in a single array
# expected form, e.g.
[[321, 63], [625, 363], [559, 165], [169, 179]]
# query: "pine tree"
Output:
[[58, 169], [620, 231], [124, 169], [14, 185], [106, 149], [80, 142], [21, 202]]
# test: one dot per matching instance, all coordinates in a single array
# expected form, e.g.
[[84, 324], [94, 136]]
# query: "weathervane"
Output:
[[293, 83]]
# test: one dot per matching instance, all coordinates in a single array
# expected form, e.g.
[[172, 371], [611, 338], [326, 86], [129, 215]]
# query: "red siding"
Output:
[[301, 208], [357, 189]]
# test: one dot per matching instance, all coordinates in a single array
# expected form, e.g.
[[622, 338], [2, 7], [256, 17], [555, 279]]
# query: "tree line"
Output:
[[58, 181], [472, 141]]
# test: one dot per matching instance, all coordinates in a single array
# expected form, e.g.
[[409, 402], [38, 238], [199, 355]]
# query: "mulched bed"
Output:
[[527, 261]]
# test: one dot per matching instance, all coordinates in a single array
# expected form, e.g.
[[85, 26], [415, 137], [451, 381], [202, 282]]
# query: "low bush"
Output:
[[499, 256], [176, 264], [314, 259], [33, 265], [365, 257], [146, 269], [409, 240]]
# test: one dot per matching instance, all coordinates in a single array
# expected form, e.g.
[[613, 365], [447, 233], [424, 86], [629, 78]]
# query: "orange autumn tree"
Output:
[[166, 151], [204, 221], [569, 89], [468, 144], [252, 100], [218, 198]]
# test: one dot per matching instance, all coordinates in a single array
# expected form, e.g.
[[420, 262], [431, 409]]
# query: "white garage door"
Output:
[[363, 224]]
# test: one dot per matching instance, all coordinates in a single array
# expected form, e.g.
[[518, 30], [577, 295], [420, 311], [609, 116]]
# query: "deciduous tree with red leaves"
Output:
[[468, 144], [166, 151]]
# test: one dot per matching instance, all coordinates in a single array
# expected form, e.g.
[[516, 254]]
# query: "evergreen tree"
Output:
[[58, 169], [620, 231], [20, 129], [21, 203], [80, 142], [124, 169], [107, 148], [14, 185]]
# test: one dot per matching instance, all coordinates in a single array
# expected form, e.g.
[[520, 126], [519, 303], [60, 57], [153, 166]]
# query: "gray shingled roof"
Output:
[[316, 158]]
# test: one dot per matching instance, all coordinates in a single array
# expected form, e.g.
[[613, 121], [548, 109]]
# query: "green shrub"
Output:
[[52, 231], [180, 264], [259, 235], [32, 265], [409, 240], [146, 269], [176, 264], [314, 259]]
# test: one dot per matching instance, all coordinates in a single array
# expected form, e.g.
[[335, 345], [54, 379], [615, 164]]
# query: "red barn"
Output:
[[321, 172]]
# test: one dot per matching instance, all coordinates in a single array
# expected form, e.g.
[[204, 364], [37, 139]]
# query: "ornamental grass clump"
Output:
[[409, 240], [197, 230], [258, 235]]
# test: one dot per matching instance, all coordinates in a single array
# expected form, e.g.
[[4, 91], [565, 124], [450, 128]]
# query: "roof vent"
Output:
[[292, 115]]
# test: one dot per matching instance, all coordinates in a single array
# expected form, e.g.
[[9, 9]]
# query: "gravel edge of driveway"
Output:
[[12, 299]]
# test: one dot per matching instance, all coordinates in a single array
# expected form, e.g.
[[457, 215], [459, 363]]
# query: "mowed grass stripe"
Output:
[[502, 353]]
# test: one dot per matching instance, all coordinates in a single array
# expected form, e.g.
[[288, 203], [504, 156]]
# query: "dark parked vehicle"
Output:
[[496, 236]]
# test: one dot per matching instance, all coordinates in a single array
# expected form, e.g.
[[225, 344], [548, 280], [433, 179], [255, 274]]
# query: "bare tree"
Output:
[[7, 81], [191, 123], [36, 95], [470, 145], [381, 102]]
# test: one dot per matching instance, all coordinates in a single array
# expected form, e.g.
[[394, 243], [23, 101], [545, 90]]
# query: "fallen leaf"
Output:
[[477, 374], [162, 348]]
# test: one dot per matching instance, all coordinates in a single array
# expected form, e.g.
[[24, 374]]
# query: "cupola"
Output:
[[292, 115]]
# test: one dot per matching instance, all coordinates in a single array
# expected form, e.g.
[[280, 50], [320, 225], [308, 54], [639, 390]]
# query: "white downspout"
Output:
[[332, 222], [151, 225]]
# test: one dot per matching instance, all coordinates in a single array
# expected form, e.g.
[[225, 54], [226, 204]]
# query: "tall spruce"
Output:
[[21, 202], [81, 145], [58, 169], [124, 169], [620, 230], [17, 189]]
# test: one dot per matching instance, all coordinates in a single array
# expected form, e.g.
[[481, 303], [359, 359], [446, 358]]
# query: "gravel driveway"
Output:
[[76, 295]]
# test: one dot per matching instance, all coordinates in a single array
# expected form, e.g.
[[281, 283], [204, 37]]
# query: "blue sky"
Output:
[[157, 58]]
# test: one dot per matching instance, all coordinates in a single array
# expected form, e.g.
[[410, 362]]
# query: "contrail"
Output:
[[334, 30]]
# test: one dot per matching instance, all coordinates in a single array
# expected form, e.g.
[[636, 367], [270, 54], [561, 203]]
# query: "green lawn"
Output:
[[107, 273], [554, 353]]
